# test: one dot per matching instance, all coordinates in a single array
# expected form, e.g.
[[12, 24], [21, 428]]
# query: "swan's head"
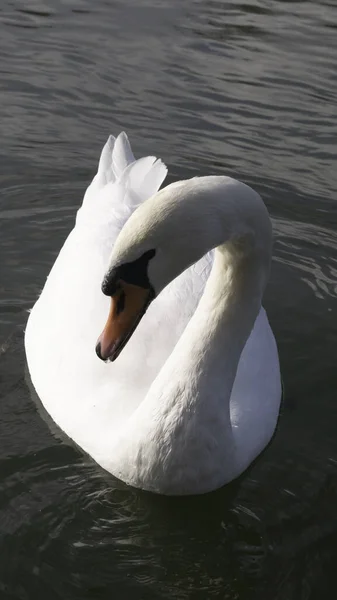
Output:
[[167, 234], [131, 292], [155, 245]]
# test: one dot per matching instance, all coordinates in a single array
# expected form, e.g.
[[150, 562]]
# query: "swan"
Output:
[[149, 346]]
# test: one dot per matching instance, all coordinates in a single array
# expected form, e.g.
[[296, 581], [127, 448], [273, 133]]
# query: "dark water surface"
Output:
[[242, 88]]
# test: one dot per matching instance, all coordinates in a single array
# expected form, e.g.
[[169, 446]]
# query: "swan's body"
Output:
[[194, 396]]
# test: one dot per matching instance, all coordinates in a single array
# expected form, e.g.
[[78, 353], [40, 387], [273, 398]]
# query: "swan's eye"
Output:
[[134, 272]]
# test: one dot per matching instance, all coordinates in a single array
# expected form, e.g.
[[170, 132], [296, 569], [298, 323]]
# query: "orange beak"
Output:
[[127, 307]]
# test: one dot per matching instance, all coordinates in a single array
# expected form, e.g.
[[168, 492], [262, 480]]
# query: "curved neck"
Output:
[[230, 216], [185, 416]]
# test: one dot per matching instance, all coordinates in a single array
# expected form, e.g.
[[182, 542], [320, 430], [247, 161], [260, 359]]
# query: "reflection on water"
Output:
[[246, 89]]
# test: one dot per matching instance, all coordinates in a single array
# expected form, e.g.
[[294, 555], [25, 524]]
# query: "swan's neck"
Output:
[[233, 220], [202, 368], [184, 420]]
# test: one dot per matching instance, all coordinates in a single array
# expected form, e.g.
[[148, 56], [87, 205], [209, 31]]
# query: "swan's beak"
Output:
[[127, 307]]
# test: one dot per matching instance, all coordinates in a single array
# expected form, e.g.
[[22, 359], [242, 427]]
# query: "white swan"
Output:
[[194, 396]]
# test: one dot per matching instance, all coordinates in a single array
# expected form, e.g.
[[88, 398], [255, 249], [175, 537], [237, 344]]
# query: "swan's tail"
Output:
[[137, 179]]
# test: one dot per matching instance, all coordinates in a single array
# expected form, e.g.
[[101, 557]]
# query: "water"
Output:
[[243, 88]]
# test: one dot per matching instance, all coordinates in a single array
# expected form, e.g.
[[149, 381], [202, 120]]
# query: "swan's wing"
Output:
[[137, 179], [70, 312], [87, 398]]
